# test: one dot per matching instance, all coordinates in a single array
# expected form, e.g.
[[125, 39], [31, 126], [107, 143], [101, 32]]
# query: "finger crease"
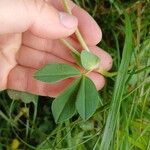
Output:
[[6, 58]]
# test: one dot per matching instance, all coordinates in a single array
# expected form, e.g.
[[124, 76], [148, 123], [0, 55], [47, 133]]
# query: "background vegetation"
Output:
[[28, 126]]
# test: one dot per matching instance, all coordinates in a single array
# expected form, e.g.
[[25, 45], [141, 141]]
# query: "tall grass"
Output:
[[123, 122]]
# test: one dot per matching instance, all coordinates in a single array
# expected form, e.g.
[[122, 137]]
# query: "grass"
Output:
[[123, 122]]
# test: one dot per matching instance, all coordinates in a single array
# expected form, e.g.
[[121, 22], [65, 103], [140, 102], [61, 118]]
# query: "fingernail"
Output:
[[68, 20]]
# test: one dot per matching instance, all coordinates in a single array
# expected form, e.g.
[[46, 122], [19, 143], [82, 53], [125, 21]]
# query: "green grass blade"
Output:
[[119, 88]]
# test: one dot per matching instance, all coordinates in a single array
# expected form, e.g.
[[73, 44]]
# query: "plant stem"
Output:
[[66, 6], [68, 132], [78, 34], [68, 44], [81, 40], [83, 44], [101, 71], [106, 73]]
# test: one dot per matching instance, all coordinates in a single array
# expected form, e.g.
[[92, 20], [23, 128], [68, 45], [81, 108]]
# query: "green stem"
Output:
[[81, 40], [66, 6], [106, 73], [23, 111], [18, 116], [68, 132], [83, 44], [78, 34], [34, 116], [68, 44], [101, 71]]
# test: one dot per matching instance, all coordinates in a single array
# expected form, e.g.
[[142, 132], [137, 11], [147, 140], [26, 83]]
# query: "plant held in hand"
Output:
[[81, 96]]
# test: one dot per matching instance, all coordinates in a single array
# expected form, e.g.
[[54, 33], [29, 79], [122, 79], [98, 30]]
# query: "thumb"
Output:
[[37, 16]]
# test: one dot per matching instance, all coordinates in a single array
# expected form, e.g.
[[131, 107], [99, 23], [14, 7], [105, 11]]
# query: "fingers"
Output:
[[87, 25], [98, 80], [21, 78], [51, 46], [53, 24], [5, 68], [40, 18], [57, 48], [106, 60], [30, 57], [9, 45]]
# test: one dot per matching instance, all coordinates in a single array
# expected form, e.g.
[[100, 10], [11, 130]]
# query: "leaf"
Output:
[[87, 98], [119, 88], [23, 96], [89, 61], [56, 72], [63, 107]]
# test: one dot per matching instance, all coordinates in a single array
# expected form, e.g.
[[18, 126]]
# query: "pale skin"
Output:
[[29, 38]]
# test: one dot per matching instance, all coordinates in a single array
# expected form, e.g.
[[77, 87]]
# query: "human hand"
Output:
[[29, 38]]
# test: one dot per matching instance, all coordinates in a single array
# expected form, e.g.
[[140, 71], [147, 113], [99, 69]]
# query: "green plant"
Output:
[[81, 95], [132, 122]]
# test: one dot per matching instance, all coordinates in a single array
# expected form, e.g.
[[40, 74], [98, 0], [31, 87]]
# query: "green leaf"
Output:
[[63, 107], [89, 61], [56, 72], [87, 98], [23, 96]]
